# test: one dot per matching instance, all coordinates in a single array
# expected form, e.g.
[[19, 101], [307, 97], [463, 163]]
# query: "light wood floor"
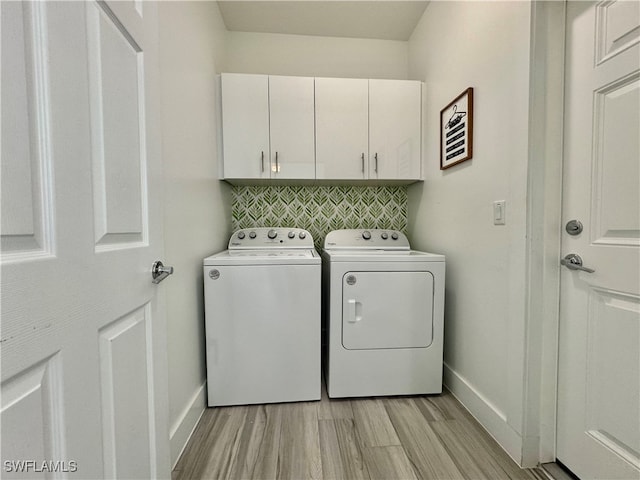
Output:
[[419, 437]]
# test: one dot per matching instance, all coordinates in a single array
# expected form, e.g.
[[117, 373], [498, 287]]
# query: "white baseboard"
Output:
[[490, 417], [182, 429]]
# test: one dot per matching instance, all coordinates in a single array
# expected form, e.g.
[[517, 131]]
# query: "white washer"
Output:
[[384, 314], [262, 318]]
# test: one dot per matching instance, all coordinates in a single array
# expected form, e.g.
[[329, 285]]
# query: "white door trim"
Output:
[[544, 208]]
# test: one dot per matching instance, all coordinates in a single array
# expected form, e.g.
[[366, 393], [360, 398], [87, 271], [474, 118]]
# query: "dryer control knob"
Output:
[[292, 235], [272, 234], [366, 235], [241, 235], [384, 235], [302, 235], [252, 234], [394, 235]]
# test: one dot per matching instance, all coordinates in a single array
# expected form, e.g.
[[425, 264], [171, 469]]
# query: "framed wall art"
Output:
[[456, 130]]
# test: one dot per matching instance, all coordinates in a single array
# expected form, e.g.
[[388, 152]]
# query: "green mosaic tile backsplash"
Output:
[[320, 209]]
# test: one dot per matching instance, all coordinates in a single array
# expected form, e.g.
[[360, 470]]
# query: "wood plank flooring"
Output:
[[418, 437]]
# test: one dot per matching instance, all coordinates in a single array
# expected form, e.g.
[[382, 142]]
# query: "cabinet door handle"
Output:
[[262, 160], [362, 162], [277, 166], [376, 165]]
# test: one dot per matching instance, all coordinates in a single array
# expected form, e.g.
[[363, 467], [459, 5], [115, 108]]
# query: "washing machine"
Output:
[[383, 308], [262, 318]]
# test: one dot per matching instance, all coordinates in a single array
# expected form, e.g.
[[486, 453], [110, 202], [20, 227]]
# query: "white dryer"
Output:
[[384, 314], [262, 318]]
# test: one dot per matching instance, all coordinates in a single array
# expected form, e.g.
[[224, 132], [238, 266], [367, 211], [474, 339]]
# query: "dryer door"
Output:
[[387, 310]]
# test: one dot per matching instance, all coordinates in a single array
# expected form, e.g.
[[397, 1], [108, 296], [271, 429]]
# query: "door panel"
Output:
[[613, 371], [387, 310], [116, 81], [616, 200], [125, 376], [599, 352], [27, 218], [32, 401], [616, 28]]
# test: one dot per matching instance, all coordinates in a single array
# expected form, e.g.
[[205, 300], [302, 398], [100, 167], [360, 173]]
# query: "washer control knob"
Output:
[[394, 235], [241, 235], [366, 235], [292, 235], [252, 234], [272, 234], [302, 235], [384, 235]]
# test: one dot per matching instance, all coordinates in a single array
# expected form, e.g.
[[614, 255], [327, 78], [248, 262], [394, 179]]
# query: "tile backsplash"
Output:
[[320, 209]]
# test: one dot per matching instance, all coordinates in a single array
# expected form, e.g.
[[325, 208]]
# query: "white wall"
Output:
[[303, 55], [197, 205], [484, 45]]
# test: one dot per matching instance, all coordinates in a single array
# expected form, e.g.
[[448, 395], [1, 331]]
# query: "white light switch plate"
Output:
[[499, 212]]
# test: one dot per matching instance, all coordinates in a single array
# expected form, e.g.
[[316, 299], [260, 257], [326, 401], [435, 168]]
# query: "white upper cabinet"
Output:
[[300, 128], [245, 119], [267, 127], [394, 129], [342, 136], [292, 127]]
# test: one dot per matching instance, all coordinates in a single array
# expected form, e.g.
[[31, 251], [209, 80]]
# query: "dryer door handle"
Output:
[[354, 310]]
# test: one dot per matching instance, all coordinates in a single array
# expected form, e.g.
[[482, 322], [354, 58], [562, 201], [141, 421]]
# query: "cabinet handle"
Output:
[[262, 160], [277, 166], [376, 158], [362, 163]]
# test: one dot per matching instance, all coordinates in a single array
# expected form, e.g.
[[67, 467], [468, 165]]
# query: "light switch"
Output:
[[499, 212]]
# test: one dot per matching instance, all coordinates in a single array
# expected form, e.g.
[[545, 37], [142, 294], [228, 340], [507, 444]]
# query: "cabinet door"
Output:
[[342, 135], [291, 124], [394, 129], [245, 125]]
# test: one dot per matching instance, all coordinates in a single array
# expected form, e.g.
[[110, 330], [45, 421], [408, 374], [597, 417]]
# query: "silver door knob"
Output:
[[159, 272], [574, 262]]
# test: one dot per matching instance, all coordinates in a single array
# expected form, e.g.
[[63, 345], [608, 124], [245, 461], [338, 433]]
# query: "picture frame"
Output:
[[456, 130]]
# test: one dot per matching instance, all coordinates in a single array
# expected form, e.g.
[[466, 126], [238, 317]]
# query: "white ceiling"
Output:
[[382, 19]]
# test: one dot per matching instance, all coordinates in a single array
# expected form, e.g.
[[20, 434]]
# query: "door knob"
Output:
[[574, 262], [159, 272]]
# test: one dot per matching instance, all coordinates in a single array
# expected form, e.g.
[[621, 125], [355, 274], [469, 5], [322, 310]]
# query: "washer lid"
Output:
[[366, 239], [264, 257]]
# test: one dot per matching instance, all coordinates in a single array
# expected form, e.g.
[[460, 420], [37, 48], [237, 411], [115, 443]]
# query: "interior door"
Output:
[[598, 433], [83, 335]]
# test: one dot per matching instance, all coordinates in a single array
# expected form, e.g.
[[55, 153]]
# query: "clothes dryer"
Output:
[[384, 315], [262, 318]]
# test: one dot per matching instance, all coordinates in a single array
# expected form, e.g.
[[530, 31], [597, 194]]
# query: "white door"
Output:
[[291, 125], [394, 129], [245, 125], [342, 131], [599, 364], [83, 335]]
